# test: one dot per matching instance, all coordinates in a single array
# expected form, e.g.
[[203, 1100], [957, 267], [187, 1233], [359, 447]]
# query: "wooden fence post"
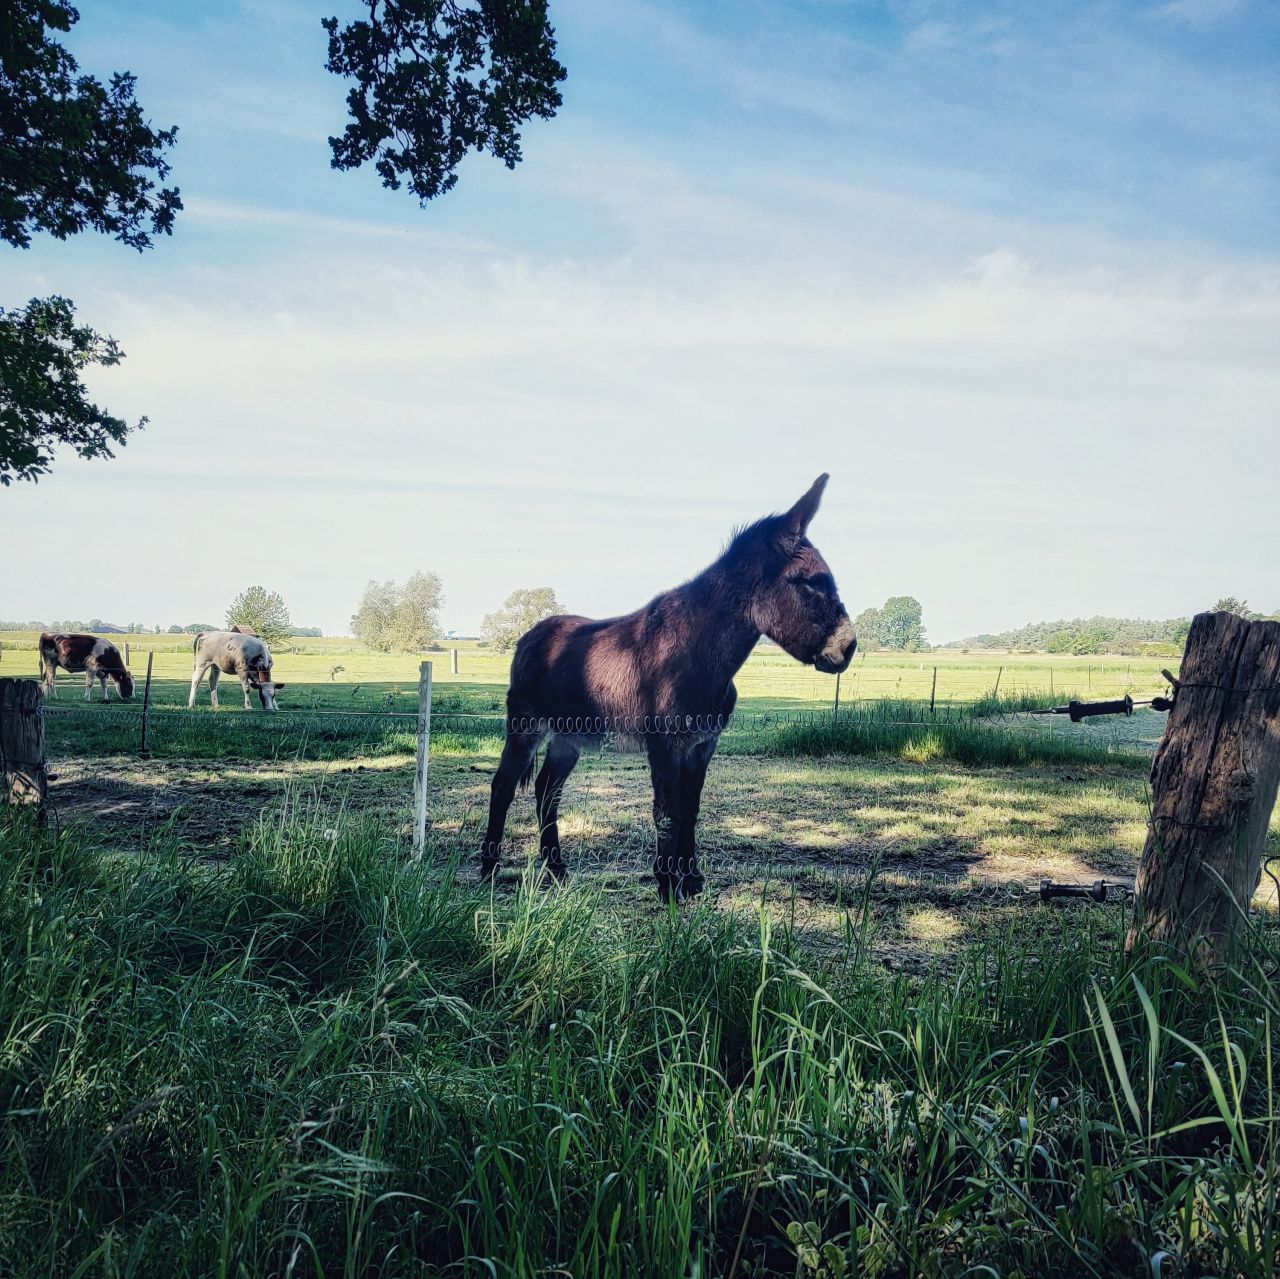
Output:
[[23, 778], [1213, 786], [126, 654], [145, 750], [835, 712], [453, 661], [933, 693], [424, 750]]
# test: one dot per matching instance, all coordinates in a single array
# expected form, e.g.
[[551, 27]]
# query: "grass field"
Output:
[[770, 681], [244, 1032]]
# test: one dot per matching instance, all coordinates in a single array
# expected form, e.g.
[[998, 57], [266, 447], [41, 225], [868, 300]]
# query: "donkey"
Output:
[[97, 657], [662, 677]]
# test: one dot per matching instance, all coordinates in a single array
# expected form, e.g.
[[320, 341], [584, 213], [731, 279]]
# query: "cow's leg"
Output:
[[88, 684], [214, 675], [513, 768], [665, 771], [562, 755], [104, 681], [50, 675], [244, 684], [692, 776], [196, 676]]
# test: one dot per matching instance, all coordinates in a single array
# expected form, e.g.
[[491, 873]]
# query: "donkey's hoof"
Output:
[[679, 888], [556, 871]]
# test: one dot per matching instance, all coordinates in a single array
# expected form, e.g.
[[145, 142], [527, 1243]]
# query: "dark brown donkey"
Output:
[[663, 676]]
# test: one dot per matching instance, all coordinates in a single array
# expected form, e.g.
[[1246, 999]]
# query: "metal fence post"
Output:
[[145, 750], [420, 771]]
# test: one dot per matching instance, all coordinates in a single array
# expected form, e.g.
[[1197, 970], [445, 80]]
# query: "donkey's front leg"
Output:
[[664, 769], [692, 776]]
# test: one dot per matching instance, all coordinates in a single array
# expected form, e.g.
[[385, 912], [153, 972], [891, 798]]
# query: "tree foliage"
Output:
[[435, 79], [75, 154], [43, 402], [403, 619], [1084, 635], [522, 609], [896, 625], [264, 611]]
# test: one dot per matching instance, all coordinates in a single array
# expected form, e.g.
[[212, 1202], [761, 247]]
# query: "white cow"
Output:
[[234, 653]]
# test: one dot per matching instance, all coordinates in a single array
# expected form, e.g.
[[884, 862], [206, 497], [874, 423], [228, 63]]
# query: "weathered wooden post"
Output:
[[23, 779], [933, 693], [835, 710], [126, 654], [1213, 786], [453, 661], [424, 750]]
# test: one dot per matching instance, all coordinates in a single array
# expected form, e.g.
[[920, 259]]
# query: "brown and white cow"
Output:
[[236, 653], [95, 655]]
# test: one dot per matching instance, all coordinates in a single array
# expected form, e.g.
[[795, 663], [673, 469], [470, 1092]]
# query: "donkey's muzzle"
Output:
[[838, 651]]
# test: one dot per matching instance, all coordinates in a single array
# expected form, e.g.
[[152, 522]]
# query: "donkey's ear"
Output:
[[795, 522]]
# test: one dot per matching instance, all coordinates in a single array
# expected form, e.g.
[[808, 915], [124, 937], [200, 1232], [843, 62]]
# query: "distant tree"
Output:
[[75, 155], [415, 625], [435, 79], [1229, 604], [900, 626], [405, 619], [307, 632], [175, 629], [867, 626], [262, 610], [371, 622], [523, 609]]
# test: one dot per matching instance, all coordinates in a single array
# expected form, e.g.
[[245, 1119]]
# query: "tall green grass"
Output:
[[326, 1058]]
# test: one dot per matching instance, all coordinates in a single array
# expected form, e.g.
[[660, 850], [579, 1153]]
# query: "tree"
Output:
[[406, 619], [42, 399], [867, 626], [435, 79], [75, 155], [1229, 604], [415, 625], [899, 625], [262, 610], [523, 609]]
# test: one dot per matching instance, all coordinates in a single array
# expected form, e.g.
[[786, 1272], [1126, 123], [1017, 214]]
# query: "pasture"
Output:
[[243, 1032]]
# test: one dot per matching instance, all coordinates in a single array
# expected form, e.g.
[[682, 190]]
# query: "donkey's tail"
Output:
[[527, 776]]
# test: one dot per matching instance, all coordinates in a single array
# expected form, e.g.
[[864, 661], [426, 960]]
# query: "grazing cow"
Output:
[[662, 677], [238, 653], [97, 657]]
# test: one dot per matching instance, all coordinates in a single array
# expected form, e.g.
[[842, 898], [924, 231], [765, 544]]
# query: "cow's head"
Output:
[[267, 690], [124, 684]]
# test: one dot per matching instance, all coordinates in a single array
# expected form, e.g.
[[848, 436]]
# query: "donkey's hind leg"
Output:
[[562, 755], [514, 769]]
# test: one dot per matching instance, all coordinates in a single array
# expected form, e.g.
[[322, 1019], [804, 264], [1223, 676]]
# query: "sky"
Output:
[[1009, 272]]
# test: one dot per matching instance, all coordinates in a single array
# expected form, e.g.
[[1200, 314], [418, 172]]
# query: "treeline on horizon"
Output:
[[1124, 636], [96, 626]]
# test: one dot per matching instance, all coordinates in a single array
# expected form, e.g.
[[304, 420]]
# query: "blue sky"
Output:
[[1010, 273]]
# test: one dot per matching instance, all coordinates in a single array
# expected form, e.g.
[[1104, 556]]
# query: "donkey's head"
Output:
[[794, 600]]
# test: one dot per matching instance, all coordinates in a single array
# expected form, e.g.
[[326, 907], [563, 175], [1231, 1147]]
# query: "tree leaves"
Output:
[[75, 154], [436, 79], [42, 399]]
